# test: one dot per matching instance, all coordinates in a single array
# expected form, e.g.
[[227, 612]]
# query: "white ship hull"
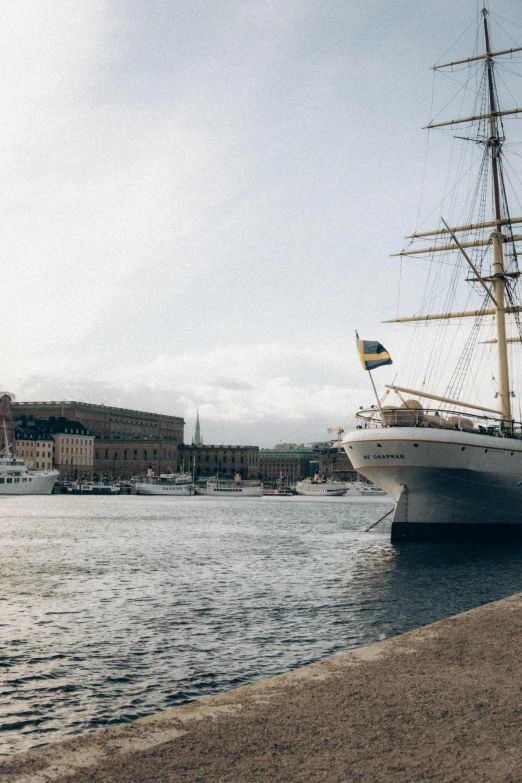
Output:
[[447, 484], [28, 483], [320, 489], [359, 489], [165, 490], [168, 485], [232, 492]]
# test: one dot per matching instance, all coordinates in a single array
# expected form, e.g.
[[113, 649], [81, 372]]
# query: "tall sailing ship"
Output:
[[453, 467]]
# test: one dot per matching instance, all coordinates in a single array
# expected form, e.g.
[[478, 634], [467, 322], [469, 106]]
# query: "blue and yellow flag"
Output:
[[372, 354]]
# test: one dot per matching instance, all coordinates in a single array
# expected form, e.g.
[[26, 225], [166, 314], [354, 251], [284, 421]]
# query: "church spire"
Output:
[[197, 439]]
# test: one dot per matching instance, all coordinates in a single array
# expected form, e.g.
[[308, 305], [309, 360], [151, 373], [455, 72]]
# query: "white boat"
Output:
[[93, 488], [168, 485], [360, 489], [277, 492], [232, 488], [15, 479], [319, 488], [453, 466]]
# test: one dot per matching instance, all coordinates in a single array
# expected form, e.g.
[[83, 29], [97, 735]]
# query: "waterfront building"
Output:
[[56, 442], [35, 445], [73, 448], [224, 461], [290, 462], [335, 465], [126, 442]]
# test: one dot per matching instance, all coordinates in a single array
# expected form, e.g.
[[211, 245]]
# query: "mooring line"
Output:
[[380, 520]]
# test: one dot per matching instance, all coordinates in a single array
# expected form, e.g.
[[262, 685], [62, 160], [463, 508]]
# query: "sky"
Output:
[[199, 200]]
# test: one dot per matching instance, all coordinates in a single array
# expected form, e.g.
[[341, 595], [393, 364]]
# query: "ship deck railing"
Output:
[[440, 418]]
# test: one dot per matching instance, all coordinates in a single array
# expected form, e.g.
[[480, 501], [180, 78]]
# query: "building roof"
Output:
[[54, 424], [215, 446], [95, 407], [23, 432], [286, 454]]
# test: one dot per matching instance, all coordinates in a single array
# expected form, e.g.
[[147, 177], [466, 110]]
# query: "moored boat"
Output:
[[167, 485], [360, 489], [92, 488], [232, 488], [320, 488]]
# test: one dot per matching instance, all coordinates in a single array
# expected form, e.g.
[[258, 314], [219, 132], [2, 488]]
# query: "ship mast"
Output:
[[499, 278], [497, 239]]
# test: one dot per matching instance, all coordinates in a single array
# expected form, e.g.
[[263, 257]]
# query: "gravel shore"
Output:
[[441, 703]]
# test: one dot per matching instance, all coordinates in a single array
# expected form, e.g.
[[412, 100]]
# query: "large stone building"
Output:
[[335, 465], [56, 442], [293, 462], [73, 448], [127, 442], [288, 462], [224, 461]]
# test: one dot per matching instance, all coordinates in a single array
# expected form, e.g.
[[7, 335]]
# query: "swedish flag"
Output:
[[372, 354]]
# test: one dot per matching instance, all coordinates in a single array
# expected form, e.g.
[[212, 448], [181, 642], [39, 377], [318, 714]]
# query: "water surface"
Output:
[[113, 608]]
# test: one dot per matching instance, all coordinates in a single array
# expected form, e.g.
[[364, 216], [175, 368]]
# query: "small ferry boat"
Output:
[[360, 489], [169, 485], [275, 489], [93, 488], [276, 492], [232, 488], [320, 488]]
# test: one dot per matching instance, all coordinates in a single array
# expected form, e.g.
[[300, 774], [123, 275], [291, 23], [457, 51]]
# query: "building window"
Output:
[[96, 453], [115, 455], [144, 453], [106, 453], [125, 452], [135, 455]]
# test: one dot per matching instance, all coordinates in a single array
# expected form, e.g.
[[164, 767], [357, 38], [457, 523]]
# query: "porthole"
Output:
[[349, 447], [416, 445], [379, 446], [462, 448], [511, 453], [485, 451]]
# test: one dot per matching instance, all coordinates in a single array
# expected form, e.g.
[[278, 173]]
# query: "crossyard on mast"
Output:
[[499, 278]]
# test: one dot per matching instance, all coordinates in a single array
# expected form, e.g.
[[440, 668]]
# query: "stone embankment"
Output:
[[441, 703]]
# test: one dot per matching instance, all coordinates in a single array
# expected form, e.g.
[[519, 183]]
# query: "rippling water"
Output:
[[112, 608]]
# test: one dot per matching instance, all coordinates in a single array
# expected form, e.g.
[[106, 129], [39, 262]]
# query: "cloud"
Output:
[[198, 201], [262, 395]]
